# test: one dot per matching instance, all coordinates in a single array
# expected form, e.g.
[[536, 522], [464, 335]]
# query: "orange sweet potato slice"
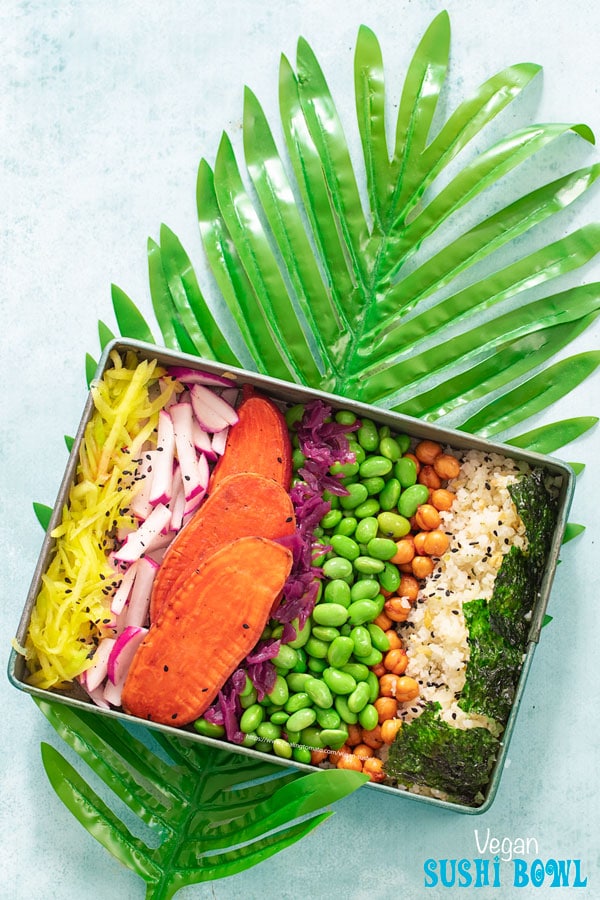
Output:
[[241, 505], [259, 442], [206, 628]]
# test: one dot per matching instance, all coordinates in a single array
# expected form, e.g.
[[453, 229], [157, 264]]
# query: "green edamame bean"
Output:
[[279, 717], [345, 417], [347, 469], [359, 671], [373, 659], [366, 530], [301, 664], [368, 717], [333, 737], [391, 525], [276, 632], [286, 657], [357, 494], [339, 682], [325, 633], [268, 731], [311, 737], [359, 697], [209, 729], [405, 471], [379, 602], [390, 448], [373, 682], [301, 719], [381, 548], [347, 526], [331, 519], [249, 740], [375, 465], [248, 699], [345, 546], [319, 693], [412, 498], [389, 579], [316, 648], [404, 441], [296, 681], [341, 706], [338, 567], [367, 435], [301, 700], [362, 640], [368, 566], [328, 718], [379, 638], [337, 592], [252, 718], [279, 693], [389, 496], [368, 508], [330, 614], [362, 611], [248, 687], [374, 485], [298, 459], [316, 665], [356, 450], [339, 652], [282, 748], [301, 755], [364, 589]]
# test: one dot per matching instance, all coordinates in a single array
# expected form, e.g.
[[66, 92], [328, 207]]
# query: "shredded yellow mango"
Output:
[[72, 610]]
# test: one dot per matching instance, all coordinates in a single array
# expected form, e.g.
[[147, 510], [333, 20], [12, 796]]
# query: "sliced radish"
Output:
[[202, 440], [162, 472], [97, 672], [147, 537], [177, 504], [193, 376], [204, 476], [181, 415], [140, 504], [120, 662], [212, 412], [97, 695], [136, 613], [219, 440]]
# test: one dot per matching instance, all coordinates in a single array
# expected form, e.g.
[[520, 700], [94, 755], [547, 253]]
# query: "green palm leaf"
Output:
[[393, 292]]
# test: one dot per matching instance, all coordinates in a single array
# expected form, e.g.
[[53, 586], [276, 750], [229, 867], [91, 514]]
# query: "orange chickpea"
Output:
[[389, 730], [409, 588], [446, 466], [363, 751], [373, 737], [317, 756], [422, 566], [419, 542], [388, 685], [442, 499], [396, 661], [436, 542], [387, 708], [350, 761], [335, 757], [354, 735], [427, 451], [397, 609], [374, 769], [429, 477], [383, 621], [427, 517], [405, 550], [379, 669], [407, 689], [394, 639]]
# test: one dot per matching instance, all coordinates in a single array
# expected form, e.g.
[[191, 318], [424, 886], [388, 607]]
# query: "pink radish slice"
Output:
[[97, 696], [202, 440], [97, 672], [147, 537], [177, 504], [192, 376], [204, 474], [219, 440], [162, 470], [123, 652], [140, 504], [181, 415], [211, 411], [139, 600]]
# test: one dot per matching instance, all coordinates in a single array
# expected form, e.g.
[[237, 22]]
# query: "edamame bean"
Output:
[[341, 706], [362, 611], [319, 693], [359, 671], [359, 697], [357, 494], [374, 485], [279, 693], [338, 567], [296, 681], [282, 748], [248, 687], [301, 700], [333, 737], [252, 718], [389, 579], [364, 589], [316, 665], [373, 659], [375, 465], [389, 447], [347, 469], [356, 450], [366, 530], [331, 519], [367, 435], [330, 614], [381, 548], [339, 682], [405, 471], [368, 508], [279, 717], [326, 633], [298, 459], [391, 525], [301, 755], [301, 664], [368, 566], [389, 496], [379, 638], [248, 699], [345, 417], [316, 648], [340, 650], [368, 717], [300, 720], [373, 682], [412, 498], [362, 640], [286, 657], [249, 740], [312, 738], [345, 546], [209, 729], [268, 731], [337, 592], [347, 526], [328, 718]]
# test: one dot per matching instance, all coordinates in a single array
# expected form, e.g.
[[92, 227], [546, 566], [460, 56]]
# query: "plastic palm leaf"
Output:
[[406, 299]]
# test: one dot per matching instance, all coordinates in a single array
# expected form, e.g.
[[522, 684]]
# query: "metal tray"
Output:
[[290, 393]]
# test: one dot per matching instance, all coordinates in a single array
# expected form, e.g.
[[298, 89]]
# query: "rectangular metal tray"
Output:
[[290, 393]]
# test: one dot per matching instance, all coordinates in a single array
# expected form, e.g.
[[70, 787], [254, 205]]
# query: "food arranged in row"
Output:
[[293, 579]]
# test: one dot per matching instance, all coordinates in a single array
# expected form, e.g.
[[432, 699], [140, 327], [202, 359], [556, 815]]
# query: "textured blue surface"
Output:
[[106, 109]]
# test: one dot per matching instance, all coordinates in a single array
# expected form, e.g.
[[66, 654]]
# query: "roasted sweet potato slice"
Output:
[[206, 628], [259, 442], [241, 505]]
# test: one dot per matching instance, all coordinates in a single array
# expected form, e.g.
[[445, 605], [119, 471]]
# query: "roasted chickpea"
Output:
[[397, 609], [354, 735], [363, 751], [379, 669], [396, 661], [409, 588], [386, 707], [419, 544], [422, 566], [383, 621], [394, 639], [427, 517], [388, 685], [442, 499], [373, 767], [372, 737], [317, 756], [446, 466], [404, 552], [436, 542], [427, 451], [349, 761], [389, 730], [429, 477], [407, 689]]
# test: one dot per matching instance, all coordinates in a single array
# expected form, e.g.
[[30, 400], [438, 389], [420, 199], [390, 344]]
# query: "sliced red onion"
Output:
[[97, 672], [212, 412], [139, 600], [193, 376], [147, 537], [162, 470], [181, 415]]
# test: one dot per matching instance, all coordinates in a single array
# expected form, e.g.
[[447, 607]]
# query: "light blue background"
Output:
[[106, 108]]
